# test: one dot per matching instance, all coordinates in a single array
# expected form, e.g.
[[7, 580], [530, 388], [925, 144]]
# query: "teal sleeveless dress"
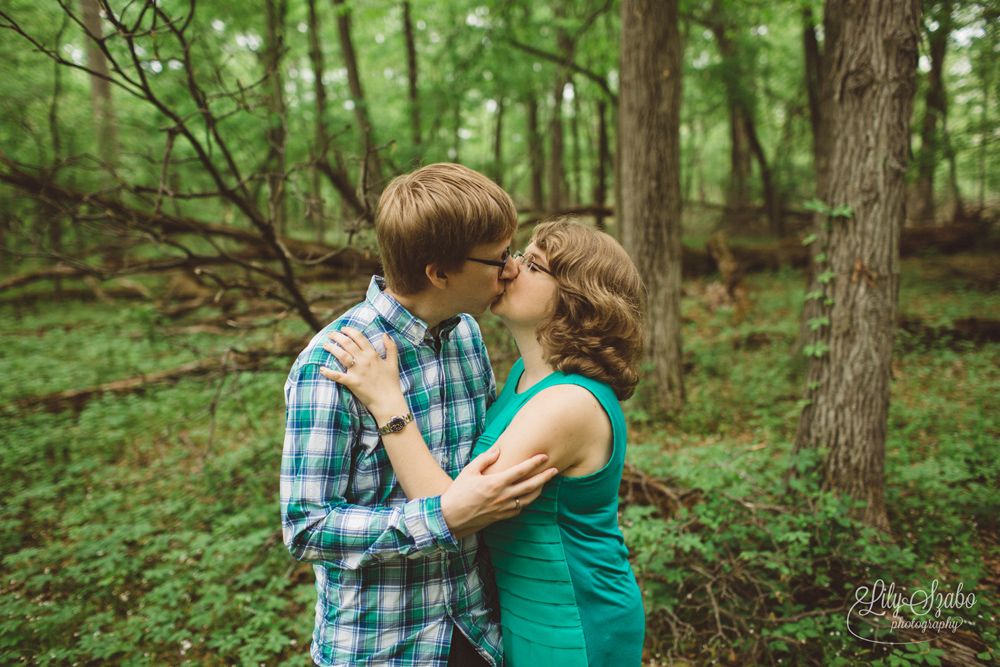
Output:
[[568, 597]]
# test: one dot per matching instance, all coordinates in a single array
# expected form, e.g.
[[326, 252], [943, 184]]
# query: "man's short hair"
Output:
[[437, 214]]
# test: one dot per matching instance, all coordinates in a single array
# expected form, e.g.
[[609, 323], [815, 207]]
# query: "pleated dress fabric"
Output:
[[568, 596]]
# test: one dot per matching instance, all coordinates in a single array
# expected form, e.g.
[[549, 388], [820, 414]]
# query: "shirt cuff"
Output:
[[426, 525]]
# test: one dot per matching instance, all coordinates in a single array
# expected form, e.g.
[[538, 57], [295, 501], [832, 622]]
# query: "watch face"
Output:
[[396, 424]]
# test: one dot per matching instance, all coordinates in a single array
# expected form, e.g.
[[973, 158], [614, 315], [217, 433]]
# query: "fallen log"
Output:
[[77, 399], [968, 329], [914, 241]]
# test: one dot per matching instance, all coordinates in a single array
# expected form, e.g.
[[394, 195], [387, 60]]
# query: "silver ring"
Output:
[[353, 361], [517, 504]]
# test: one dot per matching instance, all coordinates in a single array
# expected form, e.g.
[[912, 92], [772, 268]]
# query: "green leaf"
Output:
[[817, 322], [817, 205], [815, 294], [809, 239], [820, 257], [826, 277]]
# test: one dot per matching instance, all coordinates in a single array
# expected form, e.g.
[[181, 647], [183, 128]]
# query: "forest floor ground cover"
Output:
[[143, 528]]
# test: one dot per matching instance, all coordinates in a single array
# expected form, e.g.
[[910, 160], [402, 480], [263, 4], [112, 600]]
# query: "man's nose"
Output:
[[511, 269]]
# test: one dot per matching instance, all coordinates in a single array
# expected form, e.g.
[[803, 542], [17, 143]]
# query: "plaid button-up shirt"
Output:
[[391, 579]]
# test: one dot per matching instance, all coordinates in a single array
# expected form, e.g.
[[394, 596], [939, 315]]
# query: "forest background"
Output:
[[186, 195]]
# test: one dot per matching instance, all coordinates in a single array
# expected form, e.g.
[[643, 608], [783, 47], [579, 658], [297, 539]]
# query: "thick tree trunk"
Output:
[[536, 155], [105, 121], [650, 206], [875, 56]]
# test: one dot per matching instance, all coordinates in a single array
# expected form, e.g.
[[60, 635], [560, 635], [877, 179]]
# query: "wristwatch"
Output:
[[395, 425]]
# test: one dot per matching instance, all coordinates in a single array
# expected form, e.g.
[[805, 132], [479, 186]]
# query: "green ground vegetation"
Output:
[[143, 529]]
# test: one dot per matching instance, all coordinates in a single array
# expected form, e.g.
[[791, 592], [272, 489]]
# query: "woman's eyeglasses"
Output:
[[530, 262]]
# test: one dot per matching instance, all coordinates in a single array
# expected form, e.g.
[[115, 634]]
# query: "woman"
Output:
[[567, 593]]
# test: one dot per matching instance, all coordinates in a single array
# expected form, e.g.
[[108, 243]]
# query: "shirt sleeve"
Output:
[[322, 428]]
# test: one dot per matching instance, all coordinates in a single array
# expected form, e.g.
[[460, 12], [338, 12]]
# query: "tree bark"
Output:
[[555, 162], [603, 159], [821, 98], [411, 59], [935, 112], [873, 76], [739, 148], [277, 134], [320, 136], [536, 155], [354, 83], [650, 206], [105, 120], [498, 143]]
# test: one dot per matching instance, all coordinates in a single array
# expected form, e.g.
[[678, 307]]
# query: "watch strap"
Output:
[[396, 424]]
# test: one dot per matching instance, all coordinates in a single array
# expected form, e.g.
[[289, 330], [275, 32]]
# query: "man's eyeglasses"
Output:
[[502, 262], [530, 262]]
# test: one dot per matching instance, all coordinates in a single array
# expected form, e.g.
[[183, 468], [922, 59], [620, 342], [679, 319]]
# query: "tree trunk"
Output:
[[934, 113], [320, 142], [821, 98], [411, 59], [576, 193], [277, 135], [603, 158], [536, 155], [556, 148], [354, 83], [739, 148], [875, 56], [105, 121], [557, 170], [814, 82], [650, 206], [498, 143]]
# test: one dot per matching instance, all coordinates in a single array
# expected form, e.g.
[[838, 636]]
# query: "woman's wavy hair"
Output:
[[596, 327]]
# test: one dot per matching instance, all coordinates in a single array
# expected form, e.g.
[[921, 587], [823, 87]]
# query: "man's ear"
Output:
[[437, 276]]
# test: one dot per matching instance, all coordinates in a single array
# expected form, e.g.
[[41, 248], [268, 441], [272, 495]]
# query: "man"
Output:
[[398, 581]]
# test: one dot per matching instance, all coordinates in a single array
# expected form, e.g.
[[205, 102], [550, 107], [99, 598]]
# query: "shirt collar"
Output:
[[400, 319]]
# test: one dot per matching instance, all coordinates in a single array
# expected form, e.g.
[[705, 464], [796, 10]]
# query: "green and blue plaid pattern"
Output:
[[390, 578]]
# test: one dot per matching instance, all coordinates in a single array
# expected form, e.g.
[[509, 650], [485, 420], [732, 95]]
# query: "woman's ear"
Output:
[[437, 276]]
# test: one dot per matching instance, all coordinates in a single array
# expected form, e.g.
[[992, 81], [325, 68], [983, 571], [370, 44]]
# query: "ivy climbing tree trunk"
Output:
[[874, 77], [650, 203]]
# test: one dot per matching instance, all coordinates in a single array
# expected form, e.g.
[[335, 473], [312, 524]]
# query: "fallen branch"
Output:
[[76, 399], [638, 488]]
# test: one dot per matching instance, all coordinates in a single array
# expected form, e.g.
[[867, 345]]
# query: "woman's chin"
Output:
[[497, 306]]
